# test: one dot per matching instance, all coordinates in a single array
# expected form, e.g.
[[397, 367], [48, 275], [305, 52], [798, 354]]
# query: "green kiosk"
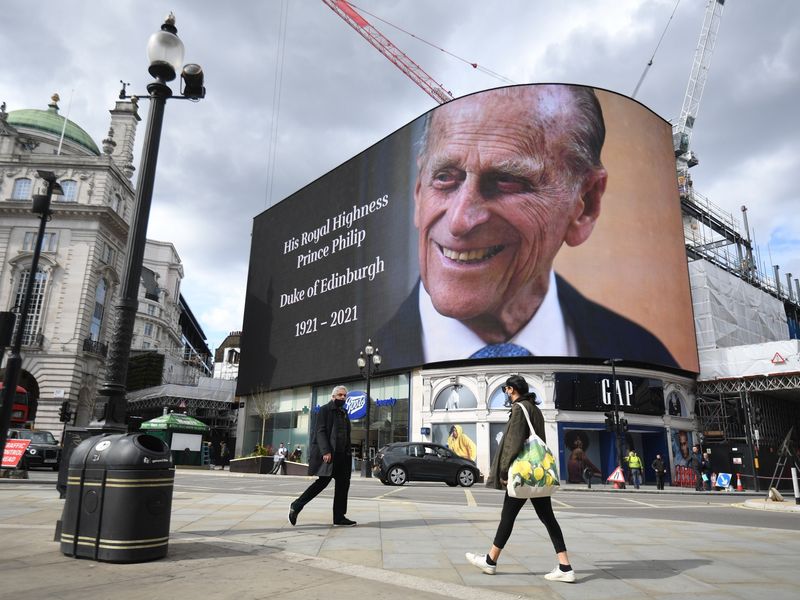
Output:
[[182, 433]]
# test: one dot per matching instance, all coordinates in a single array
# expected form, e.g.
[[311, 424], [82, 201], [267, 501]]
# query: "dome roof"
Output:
[[50, 121]]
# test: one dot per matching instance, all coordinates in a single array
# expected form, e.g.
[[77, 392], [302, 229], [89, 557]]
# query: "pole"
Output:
[[617, 424], [367, 470], [751, 442], [110, 413], [14, 364], [795, 486]]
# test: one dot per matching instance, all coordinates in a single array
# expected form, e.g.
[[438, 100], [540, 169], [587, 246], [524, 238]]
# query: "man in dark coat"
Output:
[[329, 458], [695, 464], [659, 467]]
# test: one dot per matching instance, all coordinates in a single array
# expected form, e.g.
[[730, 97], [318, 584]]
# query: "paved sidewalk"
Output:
[[226, 545]]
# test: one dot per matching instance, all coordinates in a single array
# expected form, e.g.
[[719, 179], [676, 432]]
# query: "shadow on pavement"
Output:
[[182, 551], [641, 569]]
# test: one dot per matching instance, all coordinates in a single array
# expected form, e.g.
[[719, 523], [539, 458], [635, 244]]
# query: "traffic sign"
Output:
[[15, 450], [723, 480], [617, 476]]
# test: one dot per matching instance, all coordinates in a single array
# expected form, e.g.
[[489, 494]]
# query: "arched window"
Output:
[[70, 188], [455, 397], [33, 324], [96, 325], [498, 399], [22, 189]]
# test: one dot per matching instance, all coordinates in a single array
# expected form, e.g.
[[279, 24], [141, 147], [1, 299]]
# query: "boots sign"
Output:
[[595, 392]]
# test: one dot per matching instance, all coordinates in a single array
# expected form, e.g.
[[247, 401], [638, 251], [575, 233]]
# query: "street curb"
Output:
[[770, 505]]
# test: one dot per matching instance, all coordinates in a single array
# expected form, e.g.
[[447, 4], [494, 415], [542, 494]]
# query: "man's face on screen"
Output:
[[494, 202]]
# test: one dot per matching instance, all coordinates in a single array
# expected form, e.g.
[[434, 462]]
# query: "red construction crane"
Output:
[[383, 45]]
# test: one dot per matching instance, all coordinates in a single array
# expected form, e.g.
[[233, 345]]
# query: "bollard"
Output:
[[795, 486]]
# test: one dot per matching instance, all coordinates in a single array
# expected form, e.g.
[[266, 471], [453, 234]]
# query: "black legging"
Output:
[[544, 510]]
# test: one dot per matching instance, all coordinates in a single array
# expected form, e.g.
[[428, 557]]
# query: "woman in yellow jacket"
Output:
[[460, 443]]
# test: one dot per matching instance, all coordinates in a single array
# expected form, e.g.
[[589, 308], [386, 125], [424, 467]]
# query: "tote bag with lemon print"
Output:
[[533, 474]]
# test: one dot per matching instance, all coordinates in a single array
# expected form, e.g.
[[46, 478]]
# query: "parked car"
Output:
[[43, 451], [419, 461]]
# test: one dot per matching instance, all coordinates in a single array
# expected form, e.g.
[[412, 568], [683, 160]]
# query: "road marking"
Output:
[[642, 503], [470, 498], [562, 504], [389, 493], [411, 582]]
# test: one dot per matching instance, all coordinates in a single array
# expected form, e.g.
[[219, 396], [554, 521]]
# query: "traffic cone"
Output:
[[739, 487]]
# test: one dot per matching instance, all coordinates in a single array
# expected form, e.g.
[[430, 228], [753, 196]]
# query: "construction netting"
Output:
[[730, 312]]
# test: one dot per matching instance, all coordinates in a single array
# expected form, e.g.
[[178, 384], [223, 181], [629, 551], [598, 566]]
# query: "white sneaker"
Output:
[[558, 575], [479, 560]]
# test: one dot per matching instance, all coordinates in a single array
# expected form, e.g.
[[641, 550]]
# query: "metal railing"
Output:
[[95, 347]]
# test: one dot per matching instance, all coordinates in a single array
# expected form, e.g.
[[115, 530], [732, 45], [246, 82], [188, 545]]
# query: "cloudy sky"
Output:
[[335, 95]]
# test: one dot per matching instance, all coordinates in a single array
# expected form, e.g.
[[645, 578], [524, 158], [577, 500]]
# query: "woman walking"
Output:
[[516, 432]]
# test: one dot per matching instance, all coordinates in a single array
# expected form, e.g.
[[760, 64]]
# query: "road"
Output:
[[719, 508]]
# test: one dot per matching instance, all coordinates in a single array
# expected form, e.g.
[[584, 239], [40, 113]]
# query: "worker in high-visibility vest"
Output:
[[635, 465]]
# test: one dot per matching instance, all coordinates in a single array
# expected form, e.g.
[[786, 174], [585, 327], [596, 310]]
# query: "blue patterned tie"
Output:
[[501, 350]]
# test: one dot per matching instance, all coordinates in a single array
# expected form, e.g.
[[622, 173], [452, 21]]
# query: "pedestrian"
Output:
[[224, 454], [211, 456], [658, 466], [329, 458], [695, 464], [635, 466], [706, 472], [297, 455], [280, 460], [514, 436]]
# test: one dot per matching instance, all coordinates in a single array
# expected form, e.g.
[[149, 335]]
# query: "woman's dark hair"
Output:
[[518, 383]]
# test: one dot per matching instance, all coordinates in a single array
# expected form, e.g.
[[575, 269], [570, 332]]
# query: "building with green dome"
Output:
[[65, 339], [32, 121]]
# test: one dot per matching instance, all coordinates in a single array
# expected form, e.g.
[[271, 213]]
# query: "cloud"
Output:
[[338, 96]]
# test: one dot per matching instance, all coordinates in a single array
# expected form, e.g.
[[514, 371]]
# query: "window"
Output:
[[233, 356], [416, 450], [115, 202], [145, 345], [70, 188], [49, 241], [35, 308], [22, 189], [99, 310], [148, 329], [107, 253], [454, 397], [152, 310]]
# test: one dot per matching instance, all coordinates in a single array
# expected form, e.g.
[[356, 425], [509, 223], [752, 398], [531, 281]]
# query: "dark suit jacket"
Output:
[[599, 332], [323, 440]]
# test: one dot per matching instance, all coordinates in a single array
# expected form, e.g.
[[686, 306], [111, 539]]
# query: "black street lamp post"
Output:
[[368, 362], [41, 207], [617, 424], [165, 52]]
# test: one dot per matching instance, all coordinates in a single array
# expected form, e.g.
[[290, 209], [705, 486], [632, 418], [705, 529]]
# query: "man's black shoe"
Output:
[[292, 516], [344, 522]]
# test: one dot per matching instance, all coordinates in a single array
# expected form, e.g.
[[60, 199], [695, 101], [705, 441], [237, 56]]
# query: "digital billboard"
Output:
[[536, 220]]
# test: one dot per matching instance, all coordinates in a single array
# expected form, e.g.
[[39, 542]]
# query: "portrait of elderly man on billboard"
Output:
[[506, 178]]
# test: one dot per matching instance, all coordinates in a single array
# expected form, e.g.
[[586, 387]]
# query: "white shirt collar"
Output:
[[546, 334]]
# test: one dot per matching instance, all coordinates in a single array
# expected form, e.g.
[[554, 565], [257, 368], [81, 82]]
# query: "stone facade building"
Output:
[[82, 260]]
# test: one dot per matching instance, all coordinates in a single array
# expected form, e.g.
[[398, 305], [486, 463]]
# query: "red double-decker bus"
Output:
[[20, 406]]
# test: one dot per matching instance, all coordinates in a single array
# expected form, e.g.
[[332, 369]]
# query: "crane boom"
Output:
[[682, 132], [383, 45]]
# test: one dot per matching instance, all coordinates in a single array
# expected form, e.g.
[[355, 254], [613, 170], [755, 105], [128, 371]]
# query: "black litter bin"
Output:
[[119, 499]]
